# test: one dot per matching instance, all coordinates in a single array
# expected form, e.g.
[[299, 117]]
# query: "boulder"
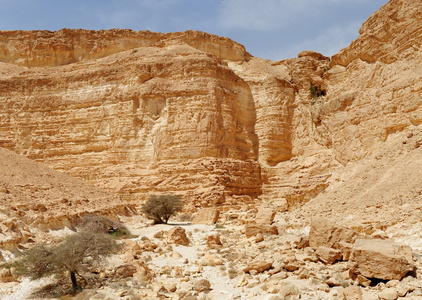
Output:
[[258, 266], [254, 229], [326, 233], [328, 255], [201, 285], [177, 235], [388, 294], [208, 216], [213, 241], [381, 259], [125, 271], [211, 260], [265, 215]]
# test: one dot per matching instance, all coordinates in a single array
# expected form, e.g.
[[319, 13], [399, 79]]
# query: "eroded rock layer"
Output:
[[195, 114], [170, 119]]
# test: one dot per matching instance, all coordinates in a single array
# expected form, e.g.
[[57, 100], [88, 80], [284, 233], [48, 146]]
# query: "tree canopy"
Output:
[[161, 208], [76, 254]]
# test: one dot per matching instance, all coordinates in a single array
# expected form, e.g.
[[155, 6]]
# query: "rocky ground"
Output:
[[237, 258]]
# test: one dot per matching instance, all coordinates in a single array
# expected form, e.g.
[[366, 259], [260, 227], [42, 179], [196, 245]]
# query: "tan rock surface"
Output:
[[206, 216], [326, 233], [160, 118], [258, 266], [177, 235], [37, 197], [352, 293], [382, 259], [328, 255]]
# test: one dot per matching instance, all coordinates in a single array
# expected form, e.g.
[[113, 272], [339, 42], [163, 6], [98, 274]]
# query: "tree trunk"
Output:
[[73, 278]]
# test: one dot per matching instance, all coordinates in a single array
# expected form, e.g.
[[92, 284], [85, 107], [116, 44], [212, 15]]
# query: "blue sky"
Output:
[[271, 29]]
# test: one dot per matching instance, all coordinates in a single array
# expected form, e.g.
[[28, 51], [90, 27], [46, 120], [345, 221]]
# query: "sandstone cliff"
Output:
[[164, 118], [195, 114]]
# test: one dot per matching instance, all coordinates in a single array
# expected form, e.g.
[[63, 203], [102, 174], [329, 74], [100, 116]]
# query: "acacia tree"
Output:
[[77, 253], [161, 208]]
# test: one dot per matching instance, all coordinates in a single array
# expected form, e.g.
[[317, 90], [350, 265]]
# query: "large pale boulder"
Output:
[[382, 259], [208, 216], [326, 233]]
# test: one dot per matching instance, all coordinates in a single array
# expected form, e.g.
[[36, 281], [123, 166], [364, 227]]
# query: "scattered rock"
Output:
[[289, 292], [346, 249], [177, 235], [254, 229], [259, 238], [213, 241], [201, 285], [328, 255], [326, 233], [363, 281], [382, 259], [388, 294], [125, 271], [303, 242], [211, 260], [258, 266], [352, 293]]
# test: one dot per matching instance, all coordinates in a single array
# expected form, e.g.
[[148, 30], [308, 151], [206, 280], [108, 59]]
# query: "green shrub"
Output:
[[161, 208], [315, 91]]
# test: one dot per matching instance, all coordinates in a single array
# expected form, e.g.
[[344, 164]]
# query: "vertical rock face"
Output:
[[155, 119], [195, 114]]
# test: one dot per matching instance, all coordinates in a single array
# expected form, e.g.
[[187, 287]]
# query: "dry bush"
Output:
[[77, 254], [161, 208], [102, 224]]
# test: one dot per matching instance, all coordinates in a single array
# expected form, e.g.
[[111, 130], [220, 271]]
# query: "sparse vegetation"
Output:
[[75, 255], [161, 208], [185, 217], [316, 92], [218, 226], [102, 224]]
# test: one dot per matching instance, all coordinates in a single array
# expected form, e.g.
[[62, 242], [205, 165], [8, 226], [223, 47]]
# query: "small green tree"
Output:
[[76, 254], [161, 208]]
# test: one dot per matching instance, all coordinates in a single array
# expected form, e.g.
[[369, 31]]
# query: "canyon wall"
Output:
[[194, 114], [154, 119]]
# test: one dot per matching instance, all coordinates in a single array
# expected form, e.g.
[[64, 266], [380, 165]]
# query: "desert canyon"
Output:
[[300, 162]]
